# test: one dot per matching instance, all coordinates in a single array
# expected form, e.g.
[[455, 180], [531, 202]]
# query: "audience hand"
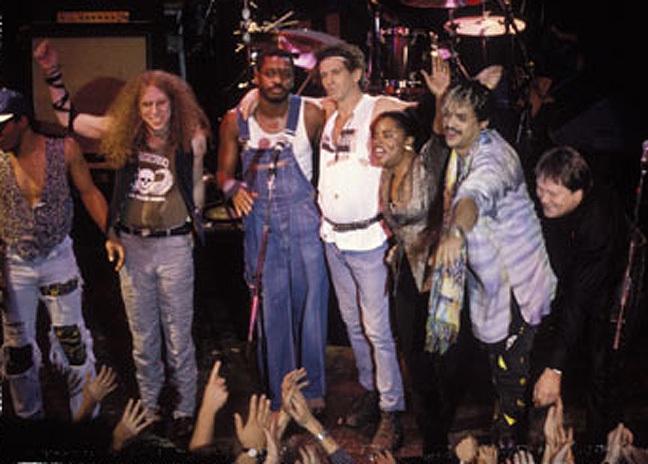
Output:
[[95, 390], [558, 442], [466, 449], [618, 440], [383, 457], [308, 455], [292, 398], [251, 434], [214, 397], [104, 383], [272, 443], [521, 457], [133, 421], [215, 394], [487, 454]]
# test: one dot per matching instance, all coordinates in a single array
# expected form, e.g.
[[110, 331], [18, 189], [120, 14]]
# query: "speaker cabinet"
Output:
[[95, 61]]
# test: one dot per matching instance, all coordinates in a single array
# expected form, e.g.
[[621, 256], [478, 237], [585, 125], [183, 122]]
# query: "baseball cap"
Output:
[[13, 103]]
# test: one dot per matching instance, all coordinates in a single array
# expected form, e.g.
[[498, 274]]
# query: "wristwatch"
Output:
[[253, 452]]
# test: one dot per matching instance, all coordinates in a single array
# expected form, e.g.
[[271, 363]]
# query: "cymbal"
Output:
[[483, 26], [303, 43], [440, 3]]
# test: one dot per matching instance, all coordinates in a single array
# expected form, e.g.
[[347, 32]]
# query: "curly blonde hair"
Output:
[[127, 132]]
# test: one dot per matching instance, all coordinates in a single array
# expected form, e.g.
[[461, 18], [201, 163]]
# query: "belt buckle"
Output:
[[145, 232]]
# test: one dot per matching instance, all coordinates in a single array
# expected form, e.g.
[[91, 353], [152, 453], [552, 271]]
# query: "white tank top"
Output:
[[349, 185], [301, 146]]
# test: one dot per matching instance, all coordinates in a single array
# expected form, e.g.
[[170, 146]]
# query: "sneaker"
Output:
[[364, 410], [389, 435]]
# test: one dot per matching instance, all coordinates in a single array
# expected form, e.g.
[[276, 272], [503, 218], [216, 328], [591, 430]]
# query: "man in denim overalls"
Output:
[[276, 145]]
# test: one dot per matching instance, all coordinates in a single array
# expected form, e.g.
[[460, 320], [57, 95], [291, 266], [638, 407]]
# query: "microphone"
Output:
[[276, 151], [644, 155]]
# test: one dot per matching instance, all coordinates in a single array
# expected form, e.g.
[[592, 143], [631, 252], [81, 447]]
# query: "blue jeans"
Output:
[[74, 355], [360, 281], [157, 284]]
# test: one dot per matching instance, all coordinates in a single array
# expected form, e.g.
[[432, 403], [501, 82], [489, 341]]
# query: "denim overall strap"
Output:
[[256, 160]]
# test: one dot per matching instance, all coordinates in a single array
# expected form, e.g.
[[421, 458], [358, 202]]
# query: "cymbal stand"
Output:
[[529, 79], [454, 38], [374, 65]]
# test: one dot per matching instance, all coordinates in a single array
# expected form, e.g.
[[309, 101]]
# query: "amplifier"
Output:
[[85, 17]]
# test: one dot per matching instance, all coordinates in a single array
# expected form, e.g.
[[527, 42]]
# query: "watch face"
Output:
[[252, 452]]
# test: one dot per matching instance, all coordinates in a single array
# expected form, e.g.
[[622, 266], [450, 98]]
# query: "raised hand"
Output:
[[215, 394], [292, 398], [308, 455], [439, 79], [46, 56], [251, 434], [104, 383], [133, 421]]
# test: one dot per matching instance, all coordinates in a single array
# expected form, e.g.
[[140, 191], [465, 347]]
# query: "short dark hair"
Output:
[[402, 119], [474, 94], [564, 165], [352, 56], [273, 51]]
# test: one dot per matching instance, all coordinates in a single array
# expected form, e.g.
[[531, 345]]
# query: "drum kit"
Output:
[[472, 37], [473, 29], [474, 34]]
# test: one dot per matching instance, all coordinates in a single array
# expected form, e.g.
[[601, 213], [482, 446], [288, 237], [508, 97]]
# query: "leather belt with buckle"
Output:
[[357, 225], [146, 232]]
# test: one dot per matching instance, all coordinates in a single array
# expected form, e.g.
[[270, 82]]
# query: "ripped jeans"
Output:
[[56, 281]]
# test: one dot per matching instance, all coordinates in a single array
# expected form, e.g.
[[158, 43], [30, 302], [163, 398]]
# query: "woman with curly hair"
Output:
[[155, 136]]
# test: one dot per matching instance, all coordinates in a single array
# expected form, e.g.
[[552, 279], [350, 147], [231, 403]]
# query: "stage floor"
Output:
[[220, 325]]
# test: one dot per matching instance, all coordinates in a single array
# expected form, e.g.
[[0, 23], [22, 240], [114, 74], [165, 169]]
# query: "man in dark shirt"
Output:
[[586, 233]]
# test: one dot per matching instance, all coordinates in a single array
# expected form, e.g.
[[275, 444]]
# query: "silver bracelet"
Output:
[[323, 435], [457, 232]]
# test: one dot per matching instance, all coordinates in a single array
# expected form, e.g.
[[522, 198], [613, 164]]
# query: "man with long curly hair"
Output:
[[154, 135]]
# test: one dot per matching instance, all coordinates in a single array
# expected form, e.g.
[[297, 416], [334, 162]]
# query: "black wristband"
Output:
[[60, 104]]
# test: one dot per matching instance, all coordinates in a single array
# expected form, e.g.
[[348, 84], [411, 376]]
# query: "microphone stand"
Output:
[[637, 240], [256, 293]]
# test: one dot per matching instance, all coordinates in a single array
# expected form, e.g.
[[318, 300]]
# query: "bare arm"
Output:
[[92, 198], [315, 119], [385, 104], [199, 147], [84, 124], [242, 199], [214, 397]]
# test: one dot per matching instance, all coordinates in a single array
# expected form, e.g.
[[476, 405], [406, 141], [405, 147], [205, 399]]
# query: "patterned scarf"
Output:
[[448, 282]]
